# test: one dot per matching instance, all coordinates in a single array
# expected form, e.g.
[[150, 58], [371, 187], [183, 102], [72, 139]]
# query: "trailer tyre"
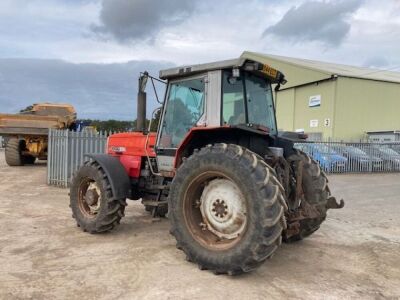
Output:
[[13, 152], [226, 209], [316, 194], [93, 204]]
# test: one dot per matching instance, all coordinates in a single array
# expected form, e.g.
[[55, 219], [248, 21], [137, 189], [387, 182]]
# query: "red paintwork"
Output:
[[134, 144], [132, 164]]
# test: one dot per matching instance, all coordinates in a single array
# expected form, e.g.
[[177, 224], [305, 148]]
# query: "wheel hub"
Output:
[[223, 208], [92, 198], [219, 208]]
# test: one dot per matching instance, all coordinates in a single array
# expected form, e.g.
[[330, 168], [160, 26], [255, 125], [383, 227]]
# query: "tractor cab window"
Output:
[[247, 99], [233, 111], [184, 108], [259, 99]]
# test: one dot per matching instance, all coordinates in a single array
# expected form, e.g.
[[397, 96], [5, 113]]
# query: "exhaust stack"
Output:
[[141, 103]]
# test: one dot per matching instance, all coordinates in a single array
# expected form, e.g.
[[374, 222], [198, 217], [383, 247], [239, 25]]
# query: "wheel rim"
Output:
[[223, 208], [215, 211], [89, 198]]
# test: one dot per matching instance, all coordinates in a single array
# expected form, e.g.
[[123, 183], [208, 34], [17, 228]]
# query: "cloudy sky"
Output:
[[89, 52]]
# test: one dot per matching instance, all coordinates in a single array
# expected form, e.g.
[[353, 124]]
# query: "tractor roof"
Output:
[[189, 70]]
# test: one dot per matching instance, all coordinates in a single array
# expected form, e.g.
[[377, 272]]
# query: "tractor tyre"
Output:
[[13, 152], [316, 194], [226, 209], [93, 204]]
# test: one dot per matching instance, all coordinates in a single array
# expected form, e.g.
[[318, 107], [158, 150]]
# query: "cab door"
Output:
[[184, 108]]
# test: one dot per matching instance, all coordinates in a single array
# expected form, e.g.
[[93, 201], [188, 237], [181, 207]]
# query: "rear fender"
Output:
[[116, 173], [190, 136], [198, 137]]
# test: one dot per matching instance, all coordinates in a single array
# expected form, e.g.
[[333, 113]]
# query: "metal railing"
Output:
[[354, 157], [66, 152], [67, 149]]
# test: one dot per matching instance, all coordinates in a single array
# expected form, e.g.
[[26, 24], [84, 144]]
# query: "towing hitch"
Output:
[[333, 204]]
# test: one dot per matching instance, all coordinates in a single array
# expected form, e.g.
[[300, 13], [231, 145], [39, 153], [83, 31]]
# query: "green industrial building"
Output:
[[335, 101]]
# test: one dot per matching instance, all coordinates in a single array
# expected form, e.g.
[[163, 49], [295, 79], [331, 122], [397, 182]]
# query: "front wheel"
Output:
[[93, 204], [226, 209]]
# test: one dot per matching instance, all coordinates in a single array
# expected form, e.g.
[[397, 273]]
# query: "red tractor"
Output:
[[232, 187]]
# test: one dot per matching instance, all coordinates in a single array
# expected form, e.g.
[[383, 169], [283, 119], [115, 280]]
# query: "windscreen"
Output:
[[184, 108]]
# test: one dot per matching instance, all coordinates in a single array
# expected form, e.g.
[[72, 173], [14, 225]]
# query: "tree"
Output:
[[156, 120], [109, 125]]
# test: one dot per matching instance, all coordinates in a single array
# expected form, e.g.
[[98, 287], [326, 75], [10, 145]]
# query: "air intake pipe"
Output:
[[141, 103]]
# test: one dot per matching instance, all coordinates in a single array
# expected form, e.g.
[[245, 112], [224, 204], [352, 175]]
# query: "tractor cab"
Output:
[[228, 94]]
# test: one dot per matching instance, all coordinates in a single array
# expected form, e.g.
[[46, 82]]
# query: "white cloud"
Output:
[[132, 20], [327, 22], [214, 30], [61, 29]]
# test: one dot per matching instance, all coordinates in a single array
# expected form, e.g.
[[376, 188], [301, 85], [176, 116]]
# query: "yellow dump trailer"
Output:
[[27, 132]]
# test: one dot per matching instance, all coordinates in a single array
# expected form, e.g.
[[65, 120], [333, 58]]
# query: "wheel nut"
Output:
[[203, 226]]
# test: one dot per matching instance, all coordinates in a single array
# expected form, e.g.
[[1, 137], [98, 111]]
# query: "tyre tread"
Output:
[[115, 208], [13, 153], [271, 227]]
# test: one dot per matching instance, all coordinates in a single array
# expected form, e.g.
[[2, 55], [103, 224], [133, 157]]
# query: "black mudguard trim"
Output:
[[116, 173]]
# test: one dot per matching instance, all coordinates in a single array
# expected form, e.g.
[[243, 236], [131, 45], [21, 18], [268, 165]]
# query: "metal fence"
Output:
[[66, 152], [350, 157]]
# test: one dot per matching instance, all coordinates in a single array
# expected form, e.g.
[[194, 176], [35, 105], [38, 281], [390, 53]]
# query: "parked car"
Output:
[[358, 160], [328, 159], [390, 157]]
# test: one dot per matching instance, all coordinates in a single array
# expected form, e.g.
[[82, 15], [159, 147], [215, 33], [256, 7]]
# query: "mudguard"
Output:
[[116, 173]]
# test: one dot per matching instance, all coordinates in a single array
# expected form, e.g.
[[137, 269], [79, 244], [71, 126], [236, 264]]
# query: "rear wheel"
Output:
[[226, 209], [315, 200], [14, 157], [13, 152], [93, 204]]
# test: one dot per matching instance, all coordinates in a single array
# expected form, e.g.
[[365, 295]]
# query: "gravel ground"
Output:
[[43, 255]]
